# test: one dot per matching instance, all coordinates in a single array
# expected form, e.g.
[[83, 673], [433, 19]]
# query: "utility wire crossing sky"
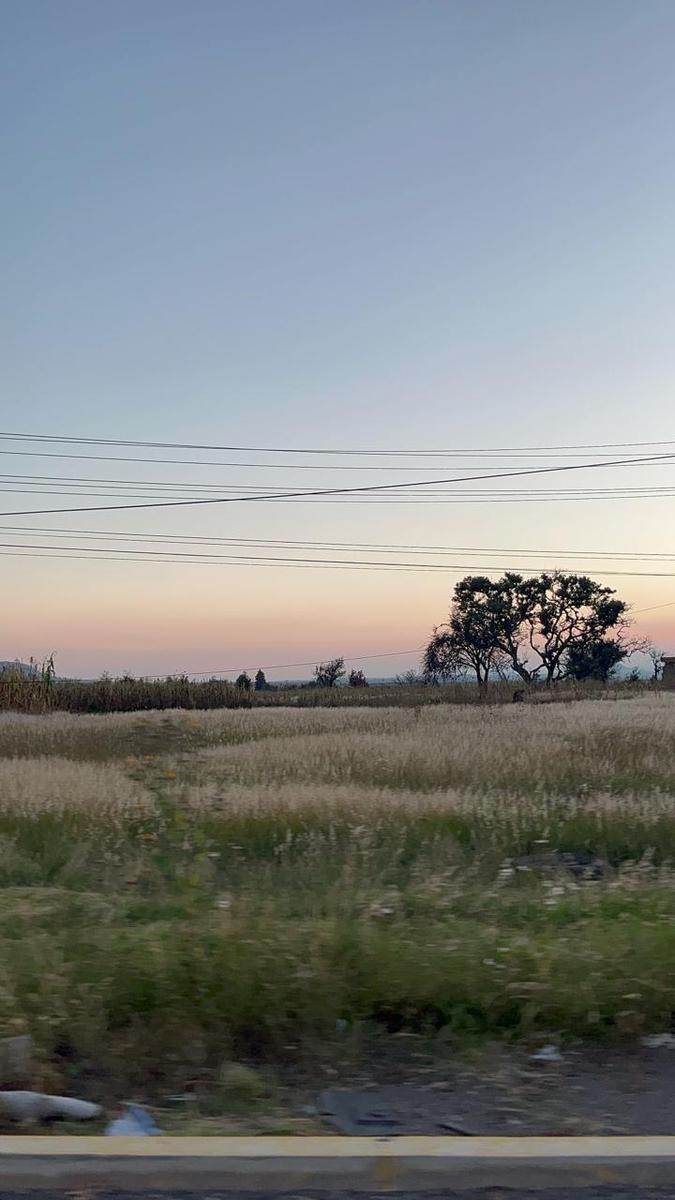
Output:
[[354, 269]]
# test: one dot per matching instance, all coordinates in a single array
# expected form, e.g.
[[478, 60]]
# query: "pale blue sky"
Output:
[[386, 223]]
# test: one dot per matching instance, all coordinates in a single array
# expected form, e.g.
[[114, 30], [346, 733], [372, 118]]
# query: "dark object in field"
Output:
[[578, 862], [382, 1112], [519, 696]]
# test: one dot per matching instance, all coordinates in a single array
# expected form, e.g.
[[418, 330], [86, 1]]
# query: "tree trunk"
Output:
[[521, 670]]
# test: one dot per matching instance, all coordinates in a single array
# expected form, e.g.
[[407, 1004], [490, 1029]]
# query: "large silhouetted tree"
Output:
[[471, 640], [550, 626]]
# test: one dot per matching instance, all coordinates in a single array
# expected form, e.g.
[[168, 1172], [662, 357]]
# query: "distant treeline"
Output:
[[41, 691], [557, 629]]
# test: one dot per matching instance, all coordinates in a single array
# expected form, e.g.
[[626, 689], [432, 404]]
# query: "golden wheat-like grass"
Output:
[[615, 756], [42, 785]]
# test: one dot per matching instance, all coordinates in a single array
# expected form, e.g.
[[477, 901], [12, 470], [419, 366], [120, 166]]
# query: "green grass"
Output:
[[258, 879]]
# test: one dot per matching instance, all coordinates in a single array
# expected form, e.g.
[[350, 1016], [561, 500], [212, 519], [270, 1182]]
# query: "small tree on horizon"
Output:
[[328, 673], [260, 681], [243, 682], [412, 678], [357, 679]]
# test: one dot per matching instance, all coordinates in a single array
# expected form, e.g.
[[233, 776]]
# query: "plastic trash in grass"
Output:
[[547, 1054], [135, 1121]]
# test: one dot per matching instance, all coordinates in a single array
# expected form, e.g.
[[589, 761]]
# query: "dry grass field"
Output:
[[178, 889]]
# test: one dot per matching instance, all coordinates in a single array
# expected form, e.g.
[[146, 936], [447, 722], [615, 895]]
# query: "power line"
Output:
[[469, 496], [178, 485], [316, 661], [445, 499], [162, 485], [169, 492], [203, 558], [8, 482], [44, 437], [362, 489], [305, 544], [200, 462], [201, 563], [653, 607], [348, 658], [192, 462], [502, 496]]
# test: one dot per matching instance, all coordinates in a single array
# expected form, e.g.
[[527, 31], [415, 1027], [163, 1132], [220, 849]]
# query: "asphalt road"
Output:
[[609, 1193]]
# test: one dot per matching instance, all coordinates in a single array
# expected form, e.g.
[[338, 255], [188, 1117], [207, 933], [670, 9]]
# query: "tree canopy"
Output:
[[328, 673], [550, 626], [357, 678]]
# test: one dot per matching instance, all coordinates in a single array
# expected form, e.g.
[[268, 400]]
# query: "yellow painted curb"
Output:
[[332, 1163]]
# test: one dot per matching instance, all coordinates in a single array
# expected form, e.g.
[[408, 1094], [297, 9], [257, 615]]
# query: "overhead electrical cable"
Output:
[[200, 462], [205, 558], [81, 482], [358, 490], [344, 547], [89, 441]]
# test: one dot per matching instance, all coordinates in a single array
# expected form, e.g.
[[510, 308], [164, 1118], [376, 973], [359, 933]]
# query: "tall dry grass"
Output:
[[178, 886]]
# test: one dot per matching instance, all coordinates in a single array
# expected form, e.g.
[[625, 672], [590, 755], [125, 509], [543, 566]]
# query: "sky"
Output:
[[372, 224]]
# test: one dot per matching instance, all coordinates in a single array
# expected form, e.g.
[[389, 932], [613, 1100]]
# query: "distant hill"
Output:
[[23, 668]]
